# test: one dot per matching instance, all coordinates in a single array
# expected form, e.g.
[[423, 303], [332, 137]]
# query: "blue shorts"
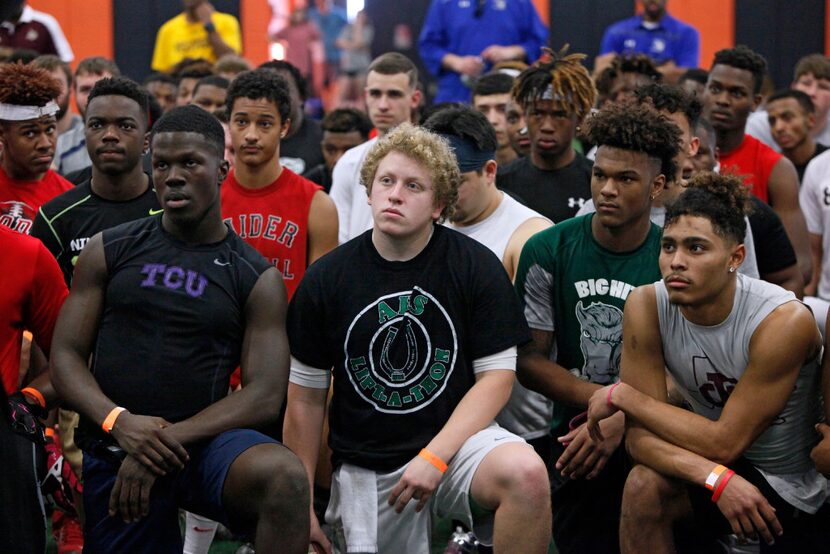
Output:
[[197, 488]]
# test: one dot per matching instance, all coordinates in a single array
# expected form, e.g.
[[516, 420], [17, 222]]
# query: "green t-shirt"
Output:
[[571, 285]]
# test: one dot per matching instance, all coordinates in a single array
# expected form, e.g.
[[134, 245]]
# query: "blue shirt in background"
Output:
[[666, 40], [451, 27]]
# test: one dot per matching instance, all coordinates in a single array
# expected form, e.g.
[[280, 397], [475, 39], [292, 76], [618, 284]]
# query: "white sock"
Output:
[[198, 533]]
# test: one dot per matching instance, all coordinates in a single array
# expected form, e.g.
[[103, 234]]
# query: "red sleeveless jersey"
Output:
[[274, 220], [753, 161]]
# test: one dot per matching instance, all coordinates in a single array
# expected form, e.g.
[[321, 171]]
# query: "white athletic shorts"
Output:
[[411, 532]]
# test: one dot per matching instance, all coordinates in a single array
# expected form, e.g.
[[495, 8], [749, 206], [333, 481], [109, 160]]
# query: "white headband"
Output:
[[13, 112]]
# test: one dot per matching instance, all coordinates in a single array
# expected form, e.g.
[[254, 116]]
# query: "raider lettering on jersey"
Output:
[[401, 351], [270, 227]]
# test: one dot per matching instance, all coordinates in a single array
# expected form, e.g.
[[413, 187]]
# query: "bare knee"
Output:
[[515, 473], [287, 488], [267, 479], [648, 495]]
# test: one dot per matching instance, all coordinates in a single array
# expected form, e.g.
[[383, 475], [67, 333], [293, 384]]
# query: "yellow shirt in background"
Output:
[[178, 39]]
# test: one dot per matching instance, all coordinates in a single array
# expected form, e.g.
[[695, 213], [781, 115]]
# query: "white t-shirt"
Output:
[[815, 203], [349, 195]]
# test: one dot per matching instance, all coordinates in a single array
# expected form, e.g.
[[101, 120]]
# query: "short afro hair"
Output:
[[561, 74], [803, 99], [629, 63], [493, 83], [213, 81], [430, 151], [464, 122], [122, 86], [744, 57], [723, 199], [671, 99], [639, 128], [346, 120], [261, 83], [291, 69], [192, 119], [27, 85], [160, 78]]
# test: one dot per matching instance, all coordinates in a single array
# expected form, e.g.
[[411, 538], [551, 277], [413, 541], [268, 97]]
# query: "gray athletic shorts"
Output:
[[409, 531]]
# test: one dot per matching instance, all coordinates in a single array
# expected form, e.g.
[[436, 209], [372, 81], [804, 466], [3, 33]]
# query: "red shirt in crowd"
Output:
[[32, 294], [753, 161], [274, 220], [20, 200]]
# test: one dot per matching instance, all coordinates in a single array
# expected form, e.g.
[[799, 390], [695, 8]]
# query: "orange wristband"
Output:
[[437, 462], [109, 421], [713, 477], [34, 393]]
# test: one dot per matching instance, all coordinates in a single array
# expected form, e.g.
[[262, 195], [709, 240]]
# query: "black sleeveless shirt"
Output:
[[173, 321]]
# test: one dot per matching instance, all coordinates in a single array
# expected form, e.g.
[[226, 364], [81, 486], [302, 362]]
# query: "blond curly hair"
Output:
[[430, 151]]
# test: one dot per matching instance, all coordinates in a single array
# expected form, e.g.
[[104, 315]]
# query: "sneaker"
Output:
[[67, 532]]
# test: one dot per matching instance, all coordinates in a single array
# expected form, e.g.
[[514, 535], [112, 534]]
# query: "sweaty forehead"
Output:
[[612, 159], [175, 143], [491, 99], [687, 226], [732, 76], [381, 81]]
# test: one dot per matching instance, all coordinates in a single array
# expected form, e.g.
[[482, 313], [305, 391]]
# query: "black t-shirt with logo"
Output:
[[67, 222], [557, 194], [401, 338]]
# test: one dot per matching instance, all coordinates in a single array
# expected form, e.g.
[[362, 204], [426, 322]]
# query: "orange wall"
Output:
[[543, 7], [254, 17], [87, 24]]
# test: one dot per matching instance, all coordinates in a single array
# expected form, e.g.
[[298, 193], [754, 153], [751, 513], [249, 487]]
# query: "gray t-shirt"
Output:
[[707, 362]]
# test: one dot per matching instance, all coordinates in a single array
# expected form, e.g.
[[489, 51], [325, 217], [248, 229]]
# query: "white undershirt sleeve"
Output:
[[506, 359], [307, 376]]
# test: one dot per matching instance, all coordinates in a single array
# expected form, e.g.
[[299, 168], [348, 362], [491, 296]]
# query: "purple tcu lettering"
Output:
[[174, 277]]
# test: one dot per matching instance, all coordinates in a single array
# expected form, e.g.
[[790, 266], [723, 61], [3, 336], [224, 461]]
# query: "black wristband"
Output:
[[209, 27]]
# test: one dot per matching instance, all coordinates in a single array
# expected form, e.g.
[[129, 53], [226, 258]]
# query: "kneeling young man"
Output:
[[745, 356], [171, 304], [419, 326]]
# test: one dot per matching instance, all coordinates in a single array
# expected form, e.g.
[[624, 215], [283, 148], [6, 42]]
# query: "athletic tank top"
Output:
[[708, 361], [174, 318], [495, 231], [274, 220], [527, 413]]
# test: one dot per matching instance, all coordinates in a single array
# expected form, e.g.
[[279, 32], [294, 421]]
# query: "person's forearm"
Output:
[[675, 425], [477, 409], [303, 428], [219, 46], [540, 374], [75, 384], [254, 404], [665, 458]]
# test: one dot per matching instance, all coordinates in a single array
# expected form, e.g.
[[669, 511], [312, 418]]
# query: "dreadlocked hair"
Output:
[[630, 63], [27, 85], [723, 199], [639, 128], [567, 78]]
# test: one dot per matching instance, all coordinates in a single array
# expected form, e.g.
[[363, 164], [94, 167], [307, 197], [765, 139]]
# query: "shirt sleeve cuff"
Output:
[[506, 359], [307, 376]]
